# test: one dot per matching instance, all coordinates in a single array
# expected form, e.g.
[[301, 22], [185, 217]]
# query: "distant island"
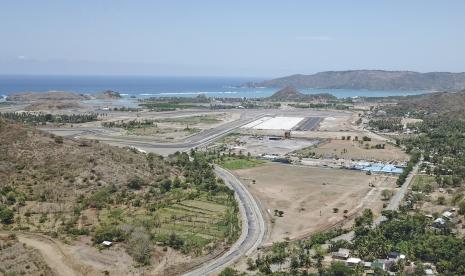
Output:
[[371, 80], [291, 94], [62, 96]]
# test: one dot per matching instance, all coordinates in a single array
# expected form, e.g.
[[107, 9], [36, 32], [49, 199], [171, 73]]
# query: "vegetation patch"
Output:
[[192, 120], [69, 188], [237, 163]]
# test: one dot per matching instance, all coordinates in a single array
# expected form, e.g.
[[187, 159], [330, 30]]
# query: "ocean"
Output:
[[149, 86]]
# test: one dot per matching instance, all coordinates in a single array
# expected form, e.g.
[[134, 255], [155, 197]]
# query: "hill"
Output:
[[70, 188], [450, 104], [291, 94], [371, 80], [108, 95], [44, 96]]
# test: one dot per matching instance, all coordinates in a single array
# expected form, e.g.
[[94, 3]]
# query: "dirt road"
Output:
[[52, 253]]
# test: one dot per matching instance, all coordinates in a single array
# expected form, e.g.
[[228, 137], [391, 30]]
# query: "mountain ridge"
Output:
[[370, 80]]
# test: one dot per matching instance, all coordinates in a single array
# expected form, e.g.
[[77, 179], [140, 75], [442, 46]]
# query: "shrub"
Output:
[[135, 183], [6, 215], [58, 139], [108, 233]]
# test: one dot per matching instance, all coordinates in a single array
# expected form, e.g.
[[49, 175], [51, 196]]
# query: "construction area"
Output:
[[284, 123]]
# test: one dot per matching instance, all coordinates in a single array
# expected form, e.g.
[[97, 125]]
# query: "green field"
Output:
[[192, 120], [423, 183], [234, 163], [188, 225]]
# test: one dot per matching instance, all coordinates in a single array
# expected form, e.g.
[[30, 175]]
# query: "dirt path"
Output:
[[53, 254]]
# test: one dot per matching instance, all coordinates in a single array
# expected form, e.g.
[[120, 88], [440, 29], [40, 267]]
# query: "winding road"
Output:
[[253, 228]]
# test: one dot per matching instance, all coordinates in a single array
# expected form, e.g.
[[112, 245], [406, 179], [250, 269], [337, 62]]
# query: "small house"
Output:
[[439, 223], [447, 214], [378, 264], [341, 254], [353, 261], [107, 243], [429, 272], [393, 255]]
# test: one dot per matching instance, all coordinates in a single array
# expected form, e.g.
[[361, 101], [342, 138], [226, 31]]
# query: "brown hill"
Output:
[[108, 95], [70, 188], [441, 103], [51, 95], [291, 94], [45, 165]]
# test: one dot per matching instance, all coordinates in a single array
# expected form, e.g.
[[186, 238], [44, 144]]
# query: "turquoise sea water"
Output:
[[144, 86]]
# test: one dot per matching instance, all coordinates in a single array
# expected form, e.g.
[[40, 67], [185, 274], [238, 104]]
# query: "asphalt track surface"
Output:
[[310, 123], [253, 223], [198, 140], [253, 228]]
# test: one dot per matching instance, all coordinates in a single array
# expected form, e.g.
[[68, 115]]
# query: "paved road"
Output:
[[395, 201], [310, 123], [197, 140], [393, 204], [253, 228]]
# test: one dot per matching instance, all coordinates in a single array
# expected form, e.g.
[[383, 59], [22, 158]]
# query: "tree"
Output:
[[386, 194], [140, 246], [135, 183], [251, 264], [166, 185], [338, 269], [366, 219], [229, 272], [6, 215], [462, 207], [441, 200]]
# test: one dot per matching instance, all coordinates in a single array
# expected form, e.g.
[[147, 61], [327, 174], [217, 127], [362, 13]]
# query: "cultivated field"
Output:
[[308, 196]]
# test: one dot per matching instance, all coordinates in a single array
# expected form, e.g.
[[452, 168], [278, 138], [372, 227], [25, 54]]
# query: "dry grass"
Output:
[[303, 192], [17, 258], [56, 185], [43, 169], [355, 150]]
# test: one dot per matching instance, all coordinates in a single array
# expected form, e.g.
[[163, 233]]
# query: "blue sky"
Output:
[[229, 38]]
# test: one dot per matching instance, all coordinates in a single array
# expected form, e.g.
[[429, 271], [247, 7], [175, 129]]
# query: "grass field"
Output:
[[234, 163], [192, 120], [423, 183]]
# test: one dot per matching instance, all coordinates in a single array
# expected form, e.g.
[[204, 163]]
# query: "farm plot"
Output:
[[188, 225]]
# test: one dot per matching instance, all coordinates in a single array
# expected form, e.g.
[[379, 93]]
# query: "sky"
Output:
[[229, 38]]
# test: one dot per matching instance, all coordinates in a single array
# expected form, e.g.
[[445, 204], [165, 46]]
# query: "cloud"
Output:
[[314, 38], [21, 57]]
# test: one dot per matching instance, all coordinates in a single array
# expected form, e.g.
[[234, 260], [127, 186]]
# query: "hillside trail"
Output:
[[55, 255]]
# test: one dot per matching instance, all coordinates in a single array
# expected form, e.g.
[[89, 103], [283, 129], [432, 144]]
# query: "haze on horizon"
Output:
[[229, 38]]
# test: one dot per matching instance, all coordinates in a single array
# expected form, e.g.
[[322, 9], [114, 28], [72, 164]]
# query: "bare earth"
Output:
[[354, 150], [308, 195]]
